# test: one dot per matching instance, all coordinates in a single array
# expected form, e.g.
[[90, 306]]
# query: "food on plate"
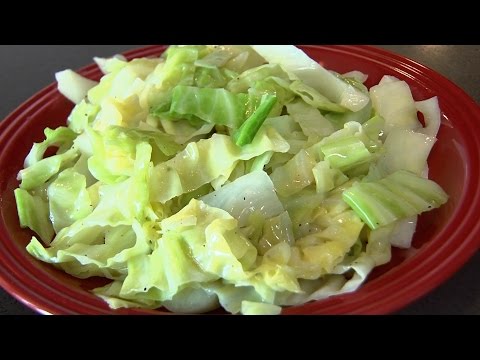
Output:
[[242, 177]]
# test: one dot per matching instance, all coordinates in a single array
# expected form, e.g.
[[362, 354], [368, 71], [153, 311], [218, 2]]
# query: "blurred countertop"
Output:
[[26, 69]]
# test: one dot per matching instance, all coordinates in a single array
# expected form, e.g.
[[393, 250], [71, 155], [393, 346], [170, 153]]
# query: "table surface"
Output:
[[27, 69]]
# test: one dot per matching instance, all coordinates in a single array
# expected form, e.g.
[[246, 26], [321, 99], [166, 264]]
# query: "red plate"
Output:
[[445, 239]]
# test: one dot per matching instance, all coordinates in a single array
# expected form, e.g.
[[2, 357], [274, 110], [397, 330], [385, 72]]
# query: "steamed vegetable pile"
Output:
[[246, 177]]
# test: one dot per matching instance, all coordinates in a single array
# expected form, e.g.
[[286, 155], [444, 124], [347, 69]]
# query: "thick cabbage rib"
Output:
[[398, 196]]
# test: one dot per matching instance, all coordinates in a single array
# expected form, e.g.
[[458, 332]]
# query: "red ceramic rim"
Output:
[[434, 263]]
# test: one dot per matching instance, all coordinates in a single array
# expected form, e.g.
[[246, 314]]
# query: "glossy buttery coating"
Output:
[[27, 69]]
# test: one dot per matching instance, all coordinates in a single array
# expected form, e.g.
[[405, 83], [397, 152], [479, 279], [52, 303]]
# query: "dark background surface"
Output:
[[27, 69]]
